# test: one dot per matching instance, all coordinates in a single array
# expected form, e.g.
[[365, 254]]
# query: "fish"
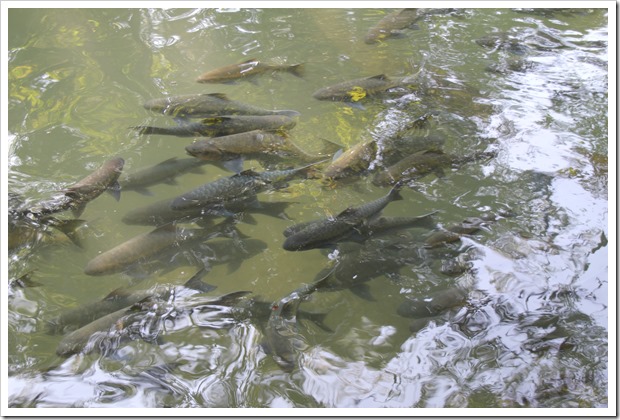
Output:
[[119, 298], [391, 24], [208, 105], [377, 257], [239, 186], [353, 161], [256, 144], [353, 91], [420, 164], [258, 311], [145, 246], [109, 325], [29, 232], [328, 231], [105, 333], [282, 338], [163, 172], [160, 213], [78, 195], [454, 232], [433, 304], [248, 70], [222, 126]]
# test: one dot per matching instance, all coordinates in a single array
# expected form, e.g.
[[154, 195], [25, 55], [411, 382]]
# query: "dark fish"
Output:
[[160, 213], [255, 144], [81, 193], [433, 304], [454, 232], [353, 91], [240, 186], [109, 325], [105, 333], [375, 258], [223, 126], [208, 105], [247, 70], [351, 162], [283, 340], [29, 232], [503, 41], [420, 164], [391, 24], [326, 232], [165, 172], [145, 246], [119, 299]]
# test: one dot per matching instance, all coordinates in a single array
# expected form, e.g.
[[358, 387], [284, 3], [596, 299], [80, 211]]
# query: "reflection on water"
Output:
[[498, 298]]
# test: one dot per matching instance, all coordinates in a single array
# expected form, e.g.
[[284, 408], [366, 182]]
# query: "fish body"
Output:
[[328, 231], [353, 91], [223, 126], [103, 179], [208, 105], [250, 144], [117, 300], [420, 164], [247, 70], [147, 245], [236, 187], [454, 232], [160, 213], [433, 304], [78, 195], [282, 331], [165, 172], [389, 25], [353, 161]]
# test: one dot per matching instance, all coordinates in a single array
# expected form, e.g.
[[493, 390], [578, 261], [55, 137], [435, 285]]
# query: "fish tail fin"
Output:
[[297, 70], [394, 193], [69, 227]]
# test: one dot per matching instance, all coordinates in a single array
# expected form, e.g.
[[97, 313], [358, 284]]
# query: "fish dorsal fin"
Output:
[[379, 77], [248, 172], [217, 95], [347, 212], [250, 61], [215, 120]]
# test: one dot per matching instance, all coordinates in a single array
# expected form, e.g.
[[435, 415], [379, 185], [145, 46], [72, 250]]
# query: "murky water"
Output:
[[528, 323]]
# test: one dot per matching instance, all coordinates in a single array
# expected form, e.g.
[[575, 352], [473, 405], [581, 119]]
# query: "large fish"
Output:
[[420, 164], [283, 340], [329, 231], [374, 227], [375, 258], [143, 247], [160, 213], [433, 304], [256, 144], [118, 299], [239, 186], [247, 70], [104, 334], [208, 105], [353, 91], [223, 126], [391, 24], [29, 231], [163, 172], [76, 196], [353, 161]]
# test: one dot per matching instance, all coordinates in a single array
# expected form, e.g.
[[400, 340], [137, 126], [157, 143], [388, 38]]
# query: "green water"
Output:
[[534, 329]]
